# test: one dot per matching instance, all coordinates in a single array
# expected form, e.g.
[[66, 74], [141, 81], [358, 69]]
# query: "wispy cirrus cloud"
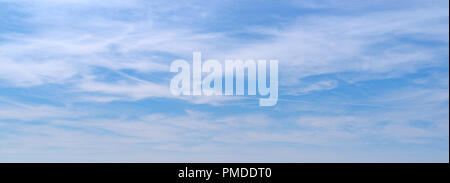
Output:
[[88, 80]]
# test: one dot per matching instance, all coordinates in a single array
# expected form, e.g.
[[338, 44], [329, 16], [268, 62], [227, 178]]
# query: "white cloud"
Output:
[[134, 91], [318, 45], [313, 45], [26, 112], [30, 73], [317, 86]]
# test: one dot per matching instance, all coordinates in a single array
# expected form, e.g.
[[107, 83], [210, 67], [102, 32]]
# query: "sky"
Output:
[[359, 81]]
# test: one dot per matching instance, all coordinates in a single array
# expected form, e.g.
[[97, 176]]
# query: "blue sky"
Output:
[[359, 81]]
